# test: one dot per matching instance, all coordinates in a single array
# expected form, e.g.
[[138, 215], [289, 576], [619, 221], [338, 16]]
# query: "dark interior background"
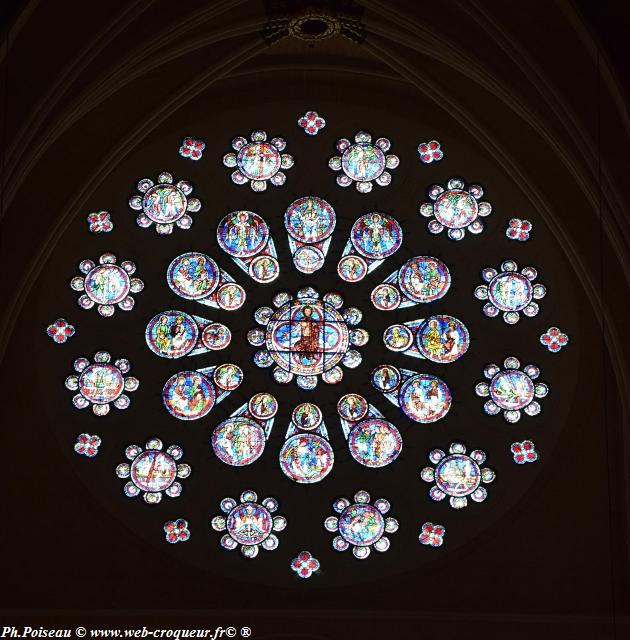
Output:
[[98, 97]]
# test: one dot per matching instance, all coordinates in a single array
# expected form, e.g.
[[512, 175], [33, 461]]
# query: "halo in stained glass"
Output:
[[238, 441], [172, 334], [263, 406], [101, 383], [306, 458], [193, 275], [307, 416], [424, 398], [361, 525], [375, 442], [376, 235], [188, 395], [242, 234], [310, 219], [164, 203], [443, 338], [424, 279]]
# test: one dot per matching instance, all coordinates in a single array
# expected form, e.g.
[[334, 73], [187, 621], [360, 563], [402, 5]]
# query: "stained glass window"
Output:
[[301, 335]]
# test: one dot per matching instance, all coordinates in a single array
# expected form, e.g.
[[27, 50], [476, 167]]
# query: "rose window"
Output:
[[305, 276]]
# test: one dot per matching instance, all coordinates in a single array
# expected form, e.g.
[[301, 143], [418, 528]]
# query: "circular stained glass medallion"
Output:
[[172, 334], [510, 291], [458, 475], [456, 209], [258, 160], [153, 471], [352, 407], [310, 219], [361, 525], [238, 441], [375, 443], [307, 336], [107, 284], [242, 234], [306, 458], [443, 339], [307, 416], [188, 395], [263, 406], [424, 279], [376, 235], [511, 389], [164, 203], [363, 162], [424, 398], [308, 259], [352, 268], [101, 383], [398, 337], [249, 523], [193, 275]]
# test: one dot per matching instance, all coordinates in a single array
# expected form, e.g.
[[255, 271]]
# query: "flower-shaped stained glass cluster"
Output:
[[177, 531], [510, 291], [518, 229], [60, 330], [430, 151], [153, 471], [363, 162], [457, 475], [432, 535], [100, 383], [554, 339], [307, 336], [456, 209], [258, 161], [164, 204], [100, 222], [87, 445], [248, 524], [524, 452], [107, 284], [511, 390], [304, 564], [361, 525], [311, 122], [192, 148]]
